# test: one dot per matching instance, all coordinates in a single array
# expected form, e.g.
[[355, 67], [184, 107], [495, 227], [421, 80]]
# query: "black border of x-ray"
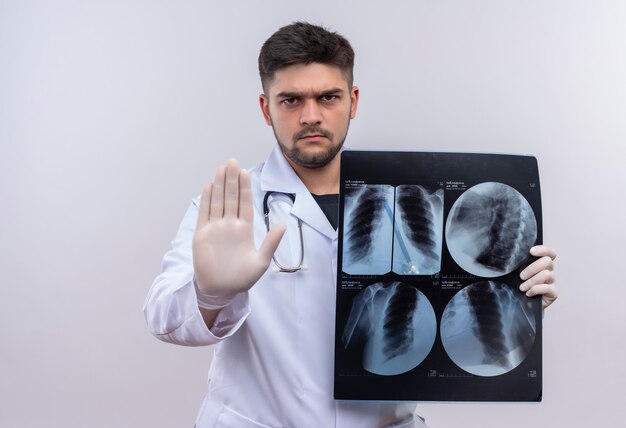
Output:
[[437, 378]]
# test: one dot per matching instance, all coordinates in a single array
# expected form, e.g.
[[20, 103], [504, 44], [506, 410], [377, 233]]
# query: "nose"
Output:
[[310, 113]]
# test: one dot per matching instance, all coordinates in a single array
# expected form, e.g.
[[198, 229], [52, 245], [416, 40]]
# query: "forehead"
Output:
[[307, 78]]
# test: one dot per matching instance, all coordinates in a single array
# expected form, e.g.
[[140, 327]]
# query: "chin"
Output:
[[317, 161], [311, 155]]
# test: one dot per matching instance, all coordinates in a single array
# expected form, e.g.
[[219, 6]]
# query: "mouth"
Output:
[[312, 134], [312, 137]]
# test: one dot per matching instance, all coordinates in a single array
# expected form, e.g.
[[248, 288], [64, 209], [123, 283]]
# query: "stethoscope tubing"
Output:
[[266, 217]]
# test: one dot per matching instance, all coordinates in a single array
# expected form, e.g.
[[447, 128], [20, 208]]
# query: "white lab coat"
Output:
[[273, 359]]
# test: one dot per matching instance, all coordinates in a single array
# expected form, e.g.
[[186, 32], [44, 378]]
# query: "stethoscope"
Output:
[[266, 216]]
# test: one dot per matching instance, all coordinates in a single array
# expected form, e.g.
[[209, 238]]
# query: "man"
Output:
[[274, 330]]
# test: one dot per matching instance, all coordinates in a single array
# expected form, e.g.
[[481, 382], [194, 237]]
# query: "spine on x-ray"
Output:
[[506, 232]]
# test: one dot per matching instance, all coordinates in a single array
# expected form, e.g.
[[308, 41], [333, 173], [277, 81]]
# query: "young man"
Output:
[[274, 330]]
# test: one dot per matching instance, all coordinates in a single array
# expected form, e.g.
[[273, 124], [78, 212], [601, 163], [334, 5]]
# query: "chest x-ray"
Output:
[[428, 300], [396, 325], [490, 229], [418, 226], [392, 228], [368, 229], [488, 329]]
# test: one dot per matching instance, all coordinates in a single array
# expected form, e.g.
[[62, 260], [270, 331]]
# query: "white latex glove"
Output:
[[225, 259], [538, 277]]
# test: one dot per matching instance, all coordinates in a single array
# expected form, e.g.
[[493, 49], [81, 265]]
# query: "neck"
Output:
[[320, 181]]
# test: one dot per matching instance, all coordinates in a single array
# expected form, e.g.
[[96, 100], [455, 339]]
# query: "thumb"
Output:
[[271, 241]]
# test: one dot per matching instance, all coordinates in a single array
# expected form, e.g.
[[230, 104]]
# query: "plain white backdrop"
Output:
[[113, 114]]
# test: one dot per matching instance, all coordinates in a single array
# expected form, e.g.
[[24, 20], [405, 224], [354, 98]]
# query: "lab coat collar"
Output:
[[278, 176]]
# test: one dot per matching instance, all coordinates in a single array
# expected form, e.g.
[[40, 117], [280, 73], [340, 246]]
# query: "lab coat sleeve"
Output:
[[171, 307]]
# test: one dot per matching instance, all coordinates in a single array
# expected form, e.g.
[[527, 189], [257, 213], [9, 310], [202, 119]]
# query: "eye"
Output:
[[290, 101], [329, 97]]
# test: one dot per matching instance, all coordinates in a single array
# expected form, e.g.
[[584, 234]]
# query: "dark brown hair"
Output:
[[304, 43]]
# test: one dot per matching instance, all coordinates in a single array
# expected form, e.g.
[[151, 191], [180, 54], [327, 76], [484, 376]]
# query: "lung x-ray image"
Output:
[[407, 219], [395, 325], [488, 328], [418, 230], [490, 229], [429, 254], [368, 229]]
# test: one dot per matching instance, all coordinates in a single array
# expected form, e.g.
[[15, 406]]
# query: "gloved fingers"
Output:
[[547, 292], [231, 189], [543, 250], [544, 263], [271, 241], [539, 276], [541, 290], [543, 277], [205, 206], [217, 195], [245, 197]]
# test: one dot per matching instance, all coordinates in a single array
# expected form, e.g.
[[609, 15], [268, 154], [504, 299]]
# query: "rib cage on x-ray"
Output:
[[368, 229], [396, 325], [418, 227], [488, 329], [490, 229]]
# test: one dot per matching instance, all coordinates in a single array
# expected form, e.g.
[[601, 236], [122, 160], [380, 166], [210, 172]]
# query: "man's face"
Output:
[[309, 107]]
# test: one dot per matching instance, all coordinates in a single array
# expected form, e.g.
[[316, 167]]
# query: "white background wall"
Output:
[[114, 113]]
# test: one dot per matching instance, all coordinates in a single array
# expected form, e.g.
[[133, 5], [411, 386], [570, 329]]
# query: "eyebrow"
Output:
[[288, 94]]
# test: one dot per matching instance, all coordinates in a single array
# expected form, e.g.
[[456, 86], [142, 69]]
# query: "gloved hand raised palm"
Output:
[[225, 258]]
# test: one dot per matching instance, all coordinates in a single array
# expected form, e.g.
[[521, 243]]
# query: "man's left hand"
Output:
[[538, 277]]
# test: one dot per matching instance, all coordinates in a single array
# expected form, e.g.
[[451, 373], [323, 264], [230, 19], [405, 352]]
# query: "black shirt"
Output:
[[330, 206]]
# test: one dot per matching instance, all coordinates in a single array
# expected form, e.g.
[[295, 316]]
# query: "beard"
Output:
[[307, 160]]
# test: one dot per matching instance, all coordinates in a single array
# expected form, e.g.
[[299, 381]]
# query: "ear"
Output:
[[354, 97], [264, 103]]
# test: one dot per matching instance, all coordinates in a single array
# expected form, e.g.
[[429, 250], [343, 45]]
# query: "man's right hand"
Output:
[[225, 258]]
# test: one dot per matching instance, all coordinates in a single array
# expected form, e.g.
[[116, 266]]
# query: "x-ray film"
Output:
[[394, 326], [368, 229], [487, 329], [490, 228], [418, 226], [429, 255]]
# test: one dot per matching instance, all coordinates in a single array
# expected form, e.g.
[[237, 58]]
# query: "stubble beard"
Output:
[[312, 161]]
